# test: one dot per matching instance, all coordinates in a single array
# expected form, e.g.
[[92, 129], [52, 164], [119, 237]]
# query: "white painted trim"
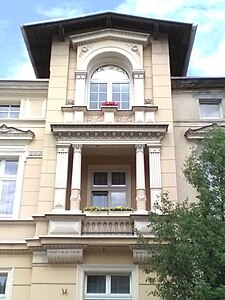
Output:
[[109, 168], [9, 283], [103, 269], [21, 154]]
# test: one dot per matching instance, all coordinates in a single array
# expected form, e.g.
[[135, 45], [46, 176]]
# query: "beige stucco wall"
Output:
[[187, 115]]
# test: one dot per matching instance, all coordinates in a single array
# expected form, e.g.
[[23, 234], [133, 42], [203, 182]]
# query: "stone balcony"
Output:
[[109, 114]]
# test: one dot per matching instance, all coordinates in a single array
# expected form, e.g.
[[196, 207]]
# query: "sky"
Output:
[[208, 54]]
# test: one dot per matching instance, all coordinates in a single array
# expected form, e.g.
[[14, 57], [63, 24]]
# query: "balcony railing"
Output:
[[107, 226]]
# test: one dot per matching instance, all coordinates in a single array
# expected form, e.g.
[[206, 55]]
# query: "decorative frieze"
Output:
[[87, 133], [140, 256], [35, 154], [65, 256]]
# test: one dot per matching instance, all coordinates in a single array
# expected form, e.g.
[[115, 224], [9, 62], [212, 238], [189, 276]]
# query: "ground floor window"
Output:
[[104, 282], [110, 286]]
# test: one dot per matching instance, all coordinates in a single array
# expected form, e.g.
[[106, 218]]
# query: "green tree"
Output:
[[187, 255]]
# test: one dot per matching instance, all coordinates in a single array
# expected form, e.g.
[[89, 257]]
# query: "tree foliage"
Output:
[[188, 253]]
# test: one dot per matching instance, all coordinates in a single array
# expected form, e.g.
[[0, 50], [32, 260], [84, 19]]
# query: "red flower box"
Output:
[[109, 103]]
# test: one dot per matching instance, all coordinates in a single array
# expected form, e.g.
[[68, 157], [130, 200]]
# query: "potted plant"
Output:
[[97, 210]]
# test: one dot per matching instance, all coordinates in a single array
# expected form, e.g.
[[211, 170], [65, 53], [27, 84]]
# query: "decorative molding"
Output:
[[94, 118], [134, 48], [85, 49], [126, 118], [80, 75], [87, 133], [64, 256], [199, 133], [138, 74], [70, 101], [35, 153], [14, 133], [109, 34], [149, 101], [140, 256]]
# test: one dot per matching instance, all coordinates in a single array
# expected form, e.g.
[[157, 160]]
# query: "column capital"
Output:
[[140, 147], [154, 148], [79, 74], [77, 148], [62, 149], [138, 74]]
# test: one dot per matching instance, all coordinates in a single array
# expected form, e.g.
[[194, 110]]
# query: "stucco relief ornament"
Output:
[[141, 195], [75, 195], [134, 48], [70, 102], [84, 50]]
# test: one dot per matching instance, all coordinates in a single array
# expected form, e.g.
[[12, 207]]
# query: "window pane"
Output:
[[9, 111], [100, 178], [96, 284], [118, 199], [3, 279], [210, 110], [120, 284], [118, 178], [11, 167], [100, 199], [7, 196], [94, 87]]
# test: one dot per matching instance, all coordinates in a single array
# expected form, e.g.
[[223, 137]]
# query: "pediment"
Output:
[[14, 135], [199, 133], [109, 34]]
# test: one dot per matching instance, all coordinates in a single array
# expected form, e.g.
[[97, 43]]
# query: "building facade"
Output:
[[87, 149]]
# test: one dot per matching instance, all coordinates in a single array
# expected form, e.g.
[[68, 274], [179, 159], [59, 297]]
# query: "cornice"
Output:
[[87, 133]]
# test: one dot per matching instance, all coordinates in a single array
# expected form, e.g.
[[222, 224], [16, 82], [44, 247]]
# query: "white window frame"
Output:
[[20, 154], [109, 86], [8, 290], [84, 270], [210, 101], [9, 105], [109, 169]]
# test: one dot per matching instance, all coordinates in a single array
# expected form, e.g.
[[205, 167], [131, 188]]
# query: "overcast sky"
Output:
[[208, 55]]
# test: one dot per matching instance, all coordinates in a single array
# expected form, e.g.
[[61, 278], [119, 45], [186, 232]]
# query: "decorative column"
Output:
[[138, 76], [61, 176], [140, 179], [155, 173], [80, 87], [76, 179]]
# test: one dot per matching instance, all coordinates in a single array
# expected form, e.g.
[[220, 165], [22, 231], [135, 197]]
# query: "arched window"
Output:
[[109, 83]]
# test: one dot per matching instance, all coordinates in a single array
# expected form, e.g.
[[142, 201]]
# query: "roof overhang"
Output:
[[38, 37]]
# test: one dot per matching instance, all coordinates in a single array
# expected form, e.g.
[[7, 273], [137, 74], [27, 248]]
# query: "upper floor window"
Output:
[[8, 179], [5, 283], [210, 108], [9, 111], [109, 83], [3, 280]]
